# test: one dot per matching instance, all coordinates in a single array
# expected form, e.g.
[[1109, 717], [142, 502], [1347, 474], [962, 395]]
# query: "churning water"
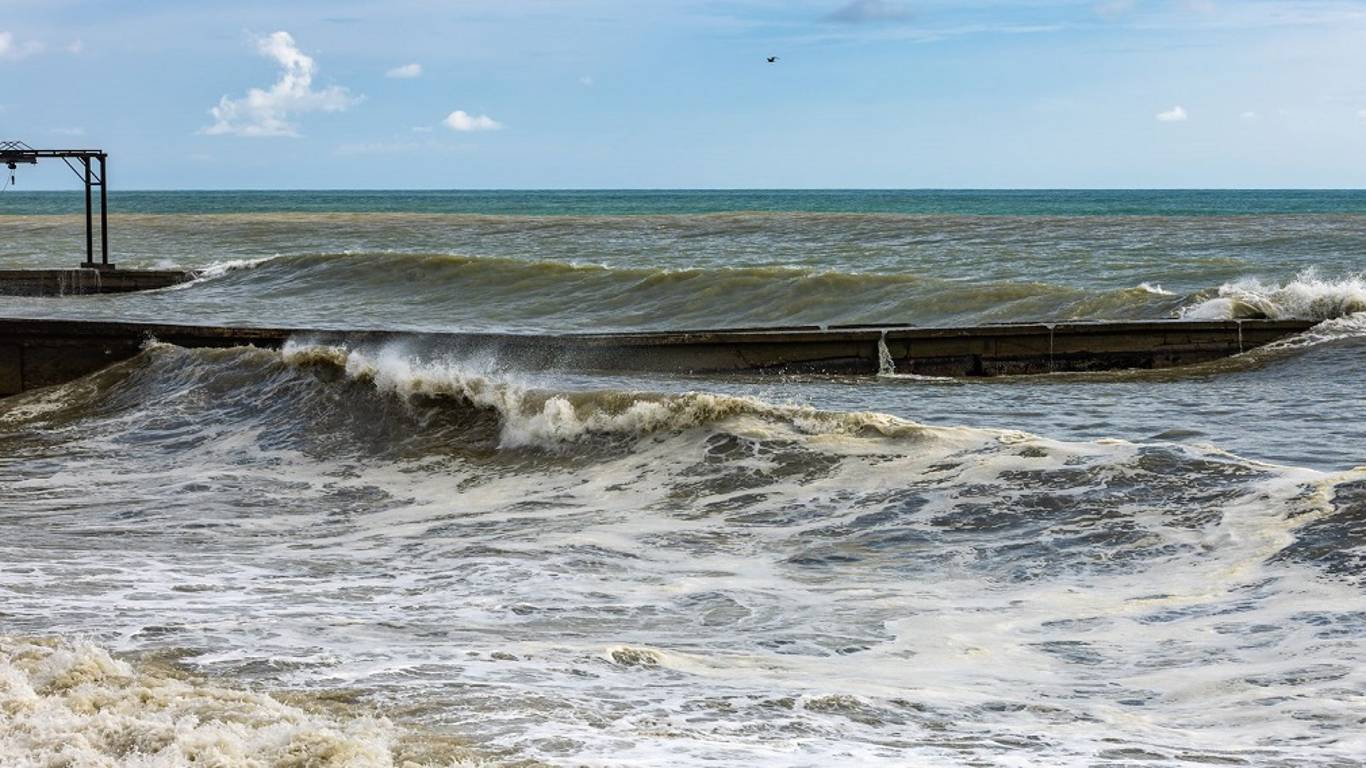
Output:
[[365, 557]]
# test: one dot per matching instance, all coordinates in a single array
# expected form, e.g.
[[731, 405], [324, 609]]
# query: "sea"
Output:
[[359, 557]]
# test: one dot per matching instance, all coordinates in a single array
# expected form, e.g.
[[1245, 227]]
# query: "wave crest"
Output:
[[532, 417], [506, 293], [1307, 297]]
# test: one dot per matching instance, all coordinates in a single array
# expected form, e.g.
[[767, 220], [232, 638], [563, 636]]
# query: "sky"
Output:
[[483, 94]]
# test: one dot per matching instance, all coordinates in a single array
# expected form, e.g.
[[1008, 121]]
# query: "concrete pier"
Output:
[[38, 353], [82, 281]]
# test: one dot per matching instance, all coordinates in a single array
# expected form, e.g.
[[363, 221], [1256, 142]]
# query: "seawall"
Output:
[[83, 281], [37, 353]]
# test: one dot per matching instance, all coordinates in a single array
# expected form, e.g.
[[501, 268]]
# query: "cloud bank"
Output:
[[269, 112]]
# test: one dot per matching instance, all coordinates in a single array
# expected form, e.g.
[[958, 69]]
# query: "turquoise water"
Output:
[[665, 202]]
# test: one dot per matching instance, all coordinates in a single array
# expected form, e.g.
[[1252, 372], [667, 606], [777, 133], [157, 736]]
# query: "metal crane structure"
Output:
[[14, 153]]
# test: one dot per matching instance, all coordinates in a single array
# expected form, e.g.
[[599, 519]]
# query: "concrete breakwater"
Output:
[[37, 353], [80, 281]]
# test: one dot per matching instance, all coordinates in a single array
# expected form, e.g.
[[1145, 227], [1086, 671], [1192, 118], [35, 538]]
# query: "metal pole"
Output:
[[89, 235], [104, 214]]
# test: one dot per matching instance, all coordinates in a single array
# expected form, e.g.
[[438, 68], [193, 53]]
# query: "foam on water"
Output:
[[689, 571], [1307, 297], [1154, 288], [70, 703], [734, 581], [221, 268], [529, 417]]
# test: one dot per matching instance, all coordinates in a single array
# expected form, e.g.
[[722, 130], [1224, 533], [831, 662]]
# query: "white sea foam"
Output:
[[711, 599], [757, 590], [533, 417], [1349, 326], [214, 271], [1154, 289], [68, 703], [220, 268], [39, 403], [1307, 297]]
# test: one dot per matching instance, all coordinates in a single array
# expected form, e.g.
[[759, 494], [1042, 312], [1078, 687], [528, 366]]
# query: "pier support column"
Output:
[[89, 231], [104, 213]]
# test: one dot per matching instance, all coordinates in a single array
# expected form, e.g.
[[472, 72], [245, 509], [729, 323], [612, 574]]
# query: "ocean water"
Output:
[[361, 557]]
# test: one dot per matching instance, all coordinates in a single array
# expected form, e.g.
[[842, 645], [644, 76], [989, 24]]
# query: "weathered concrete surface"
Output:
[[37, 353], [82, 281]]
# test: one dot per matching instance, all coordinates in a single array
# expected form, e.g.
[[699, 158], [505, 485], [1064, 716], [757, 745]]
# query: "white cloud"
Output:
[[1361, 113], [13, 49], [864, 11], [1176, 114], [405, 72], [268, 112], [586, 81], [75, 47], [422, 129], [459, 120], [1249, 115]]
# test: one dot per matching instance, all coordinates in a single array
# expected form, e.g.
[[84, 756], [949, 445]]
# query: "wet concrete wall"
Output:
[[77, 282], [37, 353]]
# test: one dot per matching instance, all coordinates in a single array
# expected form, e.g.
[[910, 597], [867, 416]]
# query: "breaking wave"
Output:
[[71, 703], [532, 417], [730, 571], [591, 569], [221, 268], [1307, 297]]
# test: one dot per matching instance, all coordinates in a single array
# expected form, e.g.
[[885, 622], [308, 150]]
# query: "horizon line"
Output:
[[697, 189]]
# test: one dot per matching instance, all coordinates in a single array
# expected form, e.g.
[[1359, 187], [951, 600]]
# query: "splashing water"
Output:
[[1307, 297], [886, 365], [366, 557], [72, 703]]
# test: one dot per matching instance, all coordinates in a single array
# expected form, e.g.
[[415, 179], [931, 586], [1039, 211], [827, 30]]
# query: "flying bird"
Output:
[[772, 59]]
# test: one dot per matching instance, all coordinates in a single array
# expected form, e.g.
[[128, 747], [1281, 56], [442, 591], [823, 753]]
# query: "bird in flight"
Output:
[[772, 59]]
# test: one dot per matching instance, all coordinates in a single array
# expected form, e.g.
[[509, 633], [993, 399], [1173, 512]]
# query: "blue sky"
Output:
[[676, 93]]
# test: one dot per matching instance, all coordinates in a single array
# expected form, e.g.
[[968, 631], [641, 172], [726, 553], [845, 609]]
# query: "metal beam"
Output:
[[104, 213], [89, 238], [13, 153]]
